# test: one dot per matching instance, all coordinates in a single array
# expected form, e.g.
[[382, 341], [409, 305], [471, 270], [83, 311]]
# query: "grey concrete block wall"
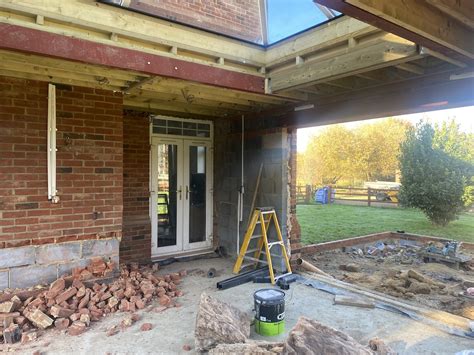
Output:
[[32, 265], [271, 149]]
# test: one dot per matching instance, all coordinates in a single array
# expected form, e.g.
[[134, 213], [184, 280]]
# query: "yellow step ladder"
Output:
[[263, 216]]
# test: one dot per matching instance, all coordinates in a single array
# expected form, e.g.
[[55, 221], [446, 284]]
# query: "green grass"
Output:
[[332, 222]]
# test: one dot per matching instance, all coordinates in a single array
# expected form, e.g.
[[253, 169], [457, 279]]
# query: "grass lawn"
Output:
[[332, 222]]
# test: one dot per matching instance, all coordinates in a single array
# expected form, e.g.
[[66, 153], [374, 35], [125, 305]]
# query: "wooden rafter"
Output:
[[460, 10], [415, 20], [392, 50]]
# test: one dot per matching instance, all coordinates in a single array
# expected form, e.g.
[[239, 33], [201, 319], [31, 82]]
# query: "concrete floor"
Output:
[[174, 327]]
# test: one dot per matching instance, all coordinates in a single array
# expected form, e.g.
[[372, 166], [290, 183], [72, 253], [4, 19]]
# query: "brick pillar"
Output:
[[295, 232], [136, 239]]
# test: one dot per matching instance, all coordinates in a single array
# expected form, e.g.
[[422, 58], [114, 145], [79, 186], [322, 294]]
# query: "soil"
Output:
[[391, 271]]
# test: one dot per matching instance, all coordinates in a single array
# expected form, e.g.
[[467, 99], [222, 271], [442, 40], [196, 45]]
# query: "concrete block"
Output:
[[4, 279], [100, 248], [27, 276], [13, 257], [52, 253], [66, 268]]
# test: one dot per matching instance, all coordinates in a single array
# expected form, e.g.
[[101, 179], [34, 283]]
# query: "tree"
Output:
[[344, 156], [432, 180], [376, 149], [460, 145], [329, 155]]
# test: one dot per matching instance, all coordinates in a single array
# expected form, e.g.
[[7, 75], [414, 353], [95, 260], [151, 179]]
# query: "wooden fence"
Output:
[[348, 195]]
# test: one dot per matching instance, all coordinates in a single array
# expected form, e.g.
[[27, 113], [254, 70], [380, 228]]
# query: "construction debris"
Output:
[[311, 337], [72, 303], [219, 323], [250, 348]]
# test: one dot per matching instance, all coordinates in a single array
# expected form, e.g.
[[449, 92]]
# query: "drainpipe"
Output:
[[51, 149]]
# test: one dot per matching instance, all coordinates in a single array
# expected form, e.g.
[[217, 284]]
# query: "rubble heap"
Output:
[[72, 303]]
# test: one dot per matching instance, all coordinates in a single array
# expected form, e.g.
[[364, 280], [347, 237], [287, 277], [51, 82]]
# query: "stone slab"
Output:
[[13, 257], [105, 247], [48, 254], [27, 276], [4, 279]]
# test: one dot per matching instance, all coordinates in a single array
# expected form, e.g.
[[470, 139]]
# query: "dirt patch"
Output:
[[398, 269]]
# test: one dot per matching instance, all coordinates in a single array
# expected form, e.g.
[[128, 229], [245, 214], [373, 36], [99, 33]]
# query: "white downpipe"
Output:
[[240, 199], [52, 191]]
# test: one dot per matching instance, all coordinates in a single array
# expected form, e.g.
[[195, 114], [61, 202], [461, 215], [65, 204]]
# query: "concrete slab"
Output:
[[174, 327], [13, 257]]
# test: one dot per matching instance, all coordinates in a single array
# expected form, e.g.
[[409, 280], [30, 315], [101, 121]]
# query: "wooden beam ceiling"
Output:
[[460, 10], [388, 51], [415, 20]]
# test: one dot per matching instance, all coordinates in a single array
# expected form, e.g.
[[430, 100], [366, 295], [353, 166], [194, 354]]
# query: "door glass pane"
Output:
[[197, 194], [167, 194]]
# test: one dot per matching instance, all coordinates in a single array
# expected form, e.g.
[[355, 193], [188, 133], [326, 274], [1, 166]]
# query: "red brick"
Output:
[[23, 112]]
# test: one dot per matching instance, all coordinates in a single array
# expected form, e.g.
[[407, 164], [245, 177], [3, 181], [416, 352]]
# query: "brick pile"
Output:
[[72, 303]]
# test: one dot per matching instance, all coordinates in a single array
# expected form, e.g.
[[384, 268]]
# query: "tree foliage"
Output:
[[366, 153], [432, 180]]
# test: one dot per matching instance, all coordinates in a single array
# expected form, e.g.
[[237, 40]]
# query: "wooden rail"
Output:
[[347, 195]]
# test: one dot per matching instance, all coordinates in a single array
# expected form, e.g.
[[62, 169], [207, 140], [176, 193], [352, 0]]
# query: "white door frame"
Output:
[[155, 248], [182, 231], [209, 200]]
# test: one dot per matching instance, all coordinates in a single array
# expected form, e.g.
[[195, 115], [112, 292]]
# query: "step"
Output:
[[275, 243], [255, 259], [282, 275]]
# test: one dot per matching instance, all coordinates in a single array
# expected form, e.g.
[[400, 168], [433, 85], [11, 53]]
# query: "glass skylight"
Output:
[[288, 17]]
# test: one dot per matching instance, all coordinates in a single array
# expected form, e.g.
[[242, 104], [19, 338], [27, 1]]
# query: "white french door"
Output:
[[181, 194]]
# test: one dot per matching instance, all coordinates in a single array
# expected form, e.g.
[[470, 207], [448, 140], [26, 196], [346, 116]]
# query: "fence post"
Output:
[[307, 196], [368, 196]]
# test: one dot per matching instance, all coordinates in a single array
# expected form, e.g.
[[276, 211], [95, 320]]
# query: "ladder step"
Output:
[[282, 275], [251, 250], [274, 243], [256, 236], [255, 259]]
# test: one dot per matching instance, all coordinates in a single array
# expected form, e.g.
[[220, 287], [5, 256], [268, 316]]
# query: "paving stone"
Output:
[[13, 257], [22, 277], [106, 247], [58, 252]]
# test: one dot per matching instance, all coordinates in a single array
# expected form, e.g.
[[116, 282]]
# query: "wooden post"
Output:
[[329, 194], [307, 196], [368, 196]]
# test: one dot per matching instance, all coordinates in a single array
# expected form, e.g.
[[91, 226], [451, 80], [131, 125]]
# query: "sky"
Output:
[[287, 17], [464, 116]]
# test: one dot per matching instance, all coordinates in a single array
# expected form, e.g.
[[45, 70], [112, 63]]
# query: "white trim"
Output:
[[209, 200], [183, 142]]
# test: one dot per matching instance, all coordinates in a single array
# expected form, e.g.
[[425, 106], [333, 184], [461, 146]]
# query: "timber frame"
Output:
[[175, 70]]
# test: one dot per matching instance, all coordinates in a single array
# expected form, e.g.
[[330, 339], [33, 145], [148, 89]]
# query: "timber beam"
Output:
[[415, 20], [390, 50], [405, 98], [18, 38]]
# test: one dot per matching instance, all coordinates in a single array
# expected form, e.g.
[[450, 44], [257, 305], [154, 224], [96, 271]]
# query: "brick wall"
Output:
[[136, 242], [237, 18], [89, 165]]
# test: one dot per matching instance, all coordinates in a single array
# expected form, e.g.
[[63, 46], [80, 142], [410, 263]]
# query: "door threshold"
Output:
[[183, 254]]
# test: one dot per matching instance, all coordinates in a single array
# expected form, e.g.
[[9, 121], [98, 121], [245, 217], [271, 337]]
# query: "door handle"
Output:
[[187, 192], [179, 192]]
